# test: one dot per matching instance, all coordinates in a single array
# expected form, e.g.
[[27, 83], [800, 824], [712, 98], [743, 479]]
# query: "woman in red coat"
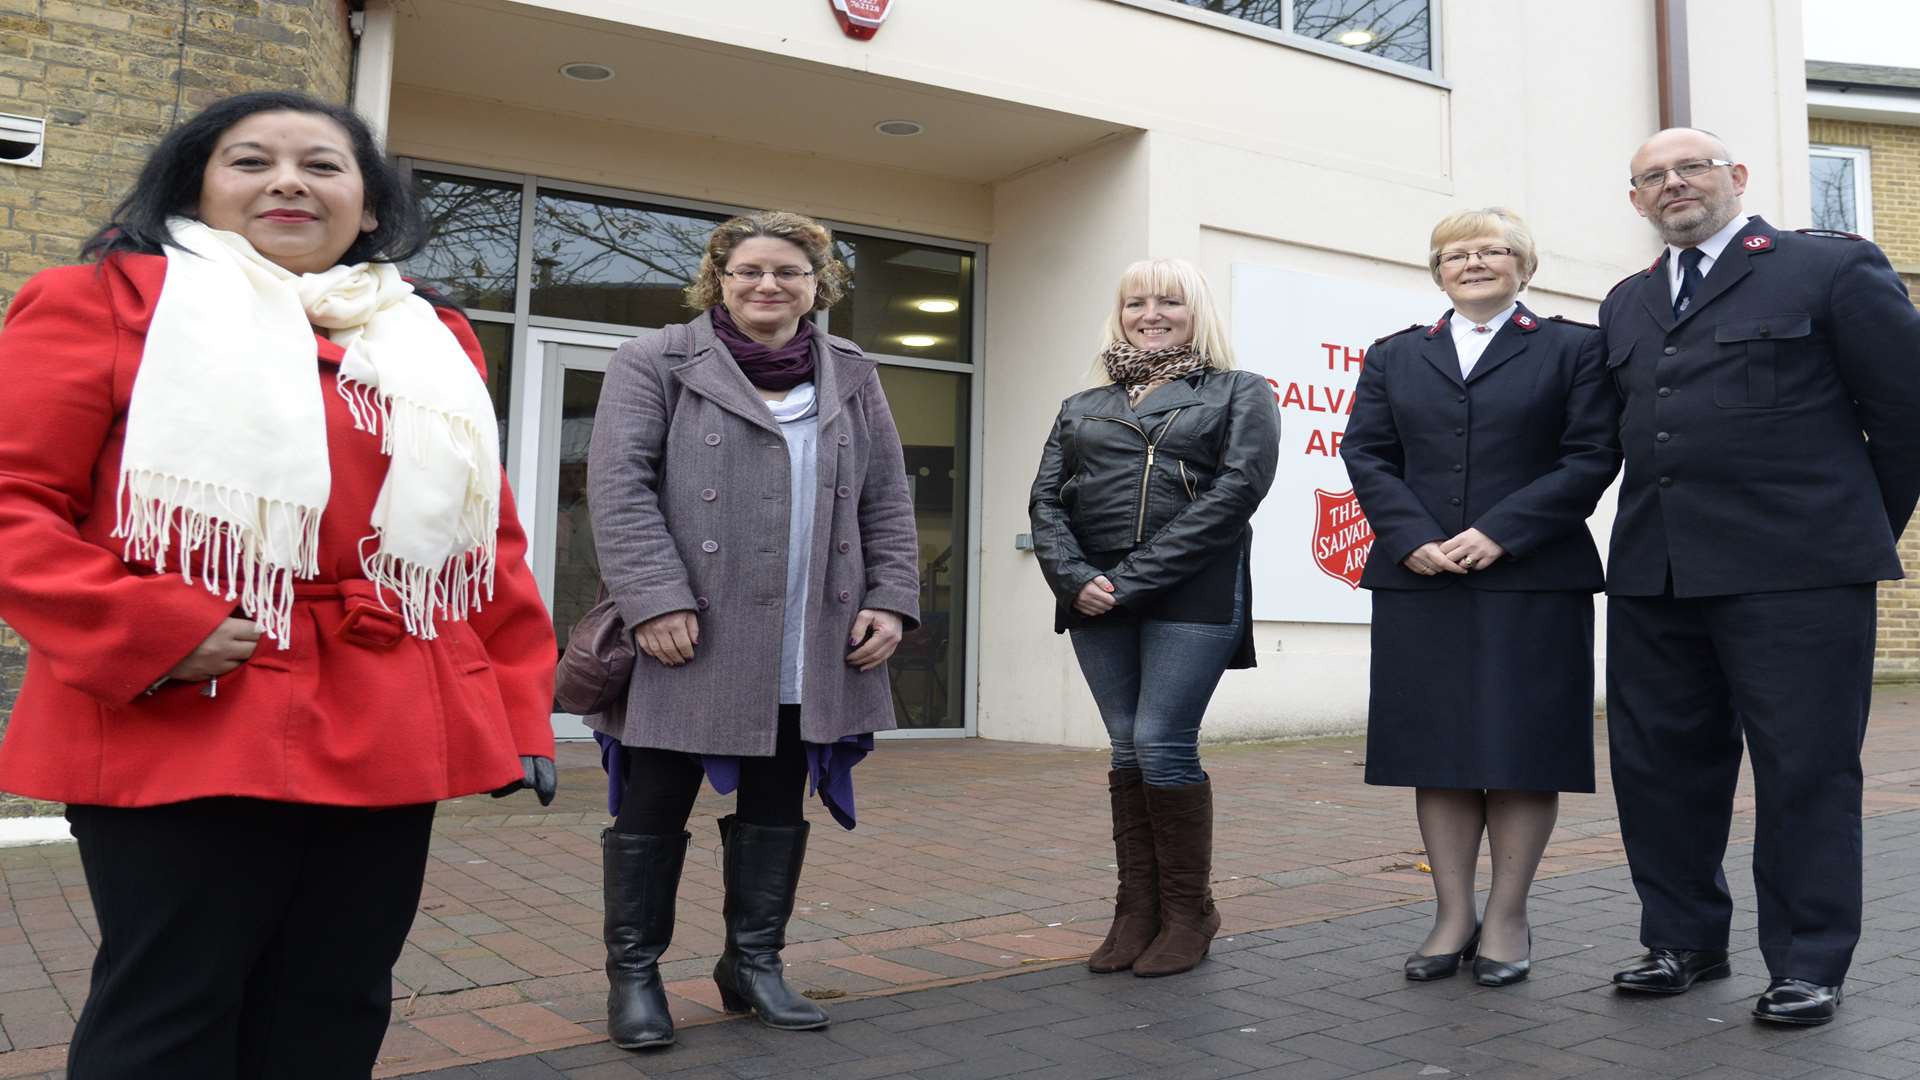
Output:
[[253, 528]]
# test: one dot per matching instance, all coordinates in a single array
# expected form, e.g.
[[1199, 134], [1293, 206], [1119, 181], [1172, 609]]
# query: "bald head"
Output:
[[1686, 210]]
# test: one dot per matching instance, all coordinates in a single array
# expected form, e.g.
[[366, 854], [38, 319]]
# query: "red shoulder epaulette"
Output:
[[1834, 233], [1397, 333], [1572, 322]]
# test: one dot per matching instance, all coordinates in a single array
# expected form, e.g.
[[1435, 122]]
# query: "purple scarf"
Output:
[[769, 369]]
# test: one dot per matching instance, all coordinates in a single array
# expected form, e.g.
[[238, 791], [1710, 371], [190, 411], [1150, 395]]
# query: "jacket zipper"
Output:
[[1146, 471], [1185, 479]]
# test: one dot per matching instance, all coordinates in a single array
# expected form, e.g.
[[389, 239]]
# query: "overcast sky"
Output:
[[1864, 31]]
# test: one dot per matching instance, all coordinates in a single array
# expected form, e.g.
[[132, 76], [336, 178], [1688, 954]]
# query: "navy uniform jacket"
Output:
[[1772, 435], [1521, 449]]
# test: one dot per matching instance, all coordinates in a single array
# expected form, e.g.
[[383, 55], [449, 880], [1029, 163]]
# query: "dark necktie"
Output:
[[1690, 279]]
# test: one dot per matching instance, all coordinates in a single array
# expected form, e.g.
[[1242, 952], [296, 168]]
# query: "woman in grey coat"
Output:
[[751, 513]]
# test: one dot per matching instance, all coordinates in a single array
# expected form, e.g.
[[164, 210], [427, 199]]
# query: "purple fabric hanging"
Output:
[[829, 772]]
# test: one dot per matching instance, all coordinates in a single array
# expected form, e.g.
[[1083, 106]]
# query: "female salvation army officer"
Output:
[[254, 529], [751, 513], [1140, 511], [1478, 447]]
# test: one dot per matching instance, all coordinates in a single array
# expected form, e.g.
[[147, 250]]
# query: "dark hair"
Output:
[[169, 183]]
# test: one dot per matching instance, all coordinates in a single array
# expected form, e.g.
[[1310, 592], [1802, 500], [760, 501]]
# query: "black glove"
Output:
[[539, 776]]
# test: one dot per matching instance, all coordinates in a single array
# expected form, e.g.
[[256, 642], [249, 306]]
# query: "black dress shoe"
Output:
[[1796, 1001], [1422, 968], [1503, 972], [1673, 971]]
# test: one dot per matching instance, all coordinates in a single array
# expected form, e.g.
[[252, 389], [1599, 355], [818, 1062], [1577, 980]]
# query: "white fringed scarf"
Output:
[[226, 450]]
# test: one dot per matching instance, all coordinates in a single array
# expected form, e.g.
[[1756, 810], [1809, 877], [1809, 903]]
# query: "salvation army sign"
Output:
[[1308, 334]]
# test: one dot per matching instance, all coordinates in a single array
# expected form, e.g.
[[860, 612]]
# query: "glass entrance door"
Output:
[[932, 410]]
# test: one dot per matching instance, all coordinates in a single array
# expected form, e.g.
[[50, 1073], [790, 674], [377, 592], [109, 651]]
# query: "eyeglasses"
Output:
[[1686, 170], [1459, 258], [751, 275]]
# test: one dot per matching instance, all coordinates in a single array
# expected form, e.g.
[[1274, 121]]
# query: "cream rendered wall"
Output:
[[1062, 235], [1750, 88], [460, 130]]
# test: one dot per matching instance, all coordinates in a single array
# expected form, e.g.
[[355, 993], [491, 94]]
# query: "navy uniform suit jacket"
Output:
[[1520, 449], [1772, 434]]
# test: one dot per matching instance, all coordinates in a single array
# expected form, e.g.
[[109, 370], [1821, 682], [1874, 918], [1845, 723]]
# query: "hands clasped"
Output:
[[1096, 597], [671, 638], [1469, 551]]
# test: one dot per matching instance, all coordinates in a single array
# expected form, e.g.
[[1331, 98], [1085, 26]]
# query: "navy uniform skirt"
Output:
[[1477, 688]]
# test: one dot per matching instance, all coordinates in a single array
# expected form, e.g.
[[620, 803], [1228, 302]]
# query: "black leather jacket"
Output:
[[1170, 483]]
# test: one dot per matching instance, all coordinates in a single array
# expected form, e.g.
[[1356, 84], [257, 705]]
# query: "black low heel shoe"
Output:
[[1503, 972], [1422, 968]]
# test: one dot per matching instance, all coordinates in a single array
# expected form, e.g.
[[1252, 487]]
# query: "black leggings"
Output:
[[663, 784]]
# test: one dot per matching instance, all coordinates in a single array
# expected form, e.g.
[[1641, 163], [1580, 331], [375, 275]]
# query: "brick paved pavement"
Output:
[[974, 859], [1327, 1000]]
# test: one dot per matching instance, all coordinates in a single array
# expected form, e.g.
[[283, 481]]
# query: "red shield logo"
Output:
[[861, 19], [1342, 538], [1758, 243]]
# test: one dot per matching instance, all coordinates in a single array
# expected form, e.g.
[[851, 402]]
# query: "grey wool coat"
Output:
[[687, 477]]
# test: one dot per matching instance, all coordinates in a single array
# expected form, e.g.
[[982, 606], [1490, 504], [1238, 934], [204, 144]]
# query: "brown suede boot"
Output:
[[1183, 851], [1136, 907]]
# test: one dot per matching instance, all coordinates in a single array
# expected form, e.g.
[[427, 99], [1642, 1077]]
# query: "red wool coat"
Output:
[[355, 713]]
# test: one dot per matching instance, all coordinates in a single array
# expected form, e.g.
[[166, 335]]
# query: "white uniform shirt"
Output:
[[1470, 342], [1710, 250]]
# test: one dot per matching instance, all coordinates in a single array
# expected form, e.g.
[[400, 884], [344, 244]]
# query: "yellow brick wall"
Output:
[[109, 77], [1894, 178]]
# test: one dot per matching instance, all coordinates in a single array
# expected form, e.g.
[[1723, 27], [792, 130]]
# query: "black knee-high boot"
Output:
[[641, 875], [762, 871]]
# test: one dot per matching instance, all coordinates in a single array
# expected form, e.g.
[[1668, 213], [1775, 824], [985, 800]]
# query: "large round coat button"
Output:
[[1670, 350], [709, 494], [843, 491], [845, 596], [709, 546], [845, 439], [1663, 437], [845, 547], [713, 438], [701, 603], [1666, 391]]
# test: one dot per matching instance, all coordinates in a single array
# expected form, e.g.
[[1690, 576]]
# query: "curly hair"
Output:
[[830, 277]]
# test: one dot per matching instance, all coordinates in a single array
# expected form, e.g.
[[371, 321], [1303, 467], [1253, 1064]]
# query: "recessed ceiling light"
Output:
[[1356, 37], [900, 128], [582, 71], [938, 307], [919, 341]]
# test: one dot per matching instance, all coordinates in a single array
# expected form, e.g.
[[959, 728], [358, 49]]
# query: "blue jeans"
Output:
[[1151, 680]]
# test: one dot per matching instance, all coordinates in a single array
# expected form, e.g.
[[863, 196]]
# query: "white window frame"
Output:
[[1287, 37], [1862, 159]]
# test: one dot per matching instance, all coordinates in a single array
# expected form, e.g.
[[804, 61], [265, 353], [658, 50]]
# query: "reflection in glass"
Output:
[[473, 255], [496, 340], [576, 568], [931, 410], [1833, 193], [905, 299], [609, 260], [1398, 30]]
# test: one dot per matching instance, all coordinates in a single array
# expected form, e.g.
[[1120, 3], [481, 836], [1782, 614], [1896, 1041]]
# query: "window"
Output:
[[905, 299], [608, 260], [1397, 30], [473, 256], [1842, 199]]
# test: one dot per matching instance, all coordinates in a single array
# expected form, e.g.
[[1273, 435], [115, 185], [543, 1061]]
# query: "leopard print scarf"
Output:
[[1136, 369]]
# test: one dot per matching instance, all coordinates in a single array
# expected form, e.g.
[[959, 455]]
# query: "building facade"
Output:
[[989, 167]]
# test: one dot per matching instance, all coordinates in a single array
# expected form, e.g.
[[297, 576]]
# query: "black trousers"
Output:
[[242, 939], [1791, 673], [661, 785]]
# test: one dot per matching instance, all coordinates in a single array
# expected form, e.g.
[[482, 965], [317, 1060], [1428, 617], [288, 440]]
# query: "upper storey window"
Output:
[[1397, 30]]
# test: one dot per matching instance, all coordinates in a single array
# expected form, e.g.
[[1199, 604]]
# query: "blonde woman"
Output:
[[1478, 447], [1140, 514]]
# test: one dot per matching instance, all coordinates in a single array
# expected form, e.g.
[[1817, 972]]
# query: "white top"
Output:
[[799, 418], [1471, 339], [1710, 250]]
